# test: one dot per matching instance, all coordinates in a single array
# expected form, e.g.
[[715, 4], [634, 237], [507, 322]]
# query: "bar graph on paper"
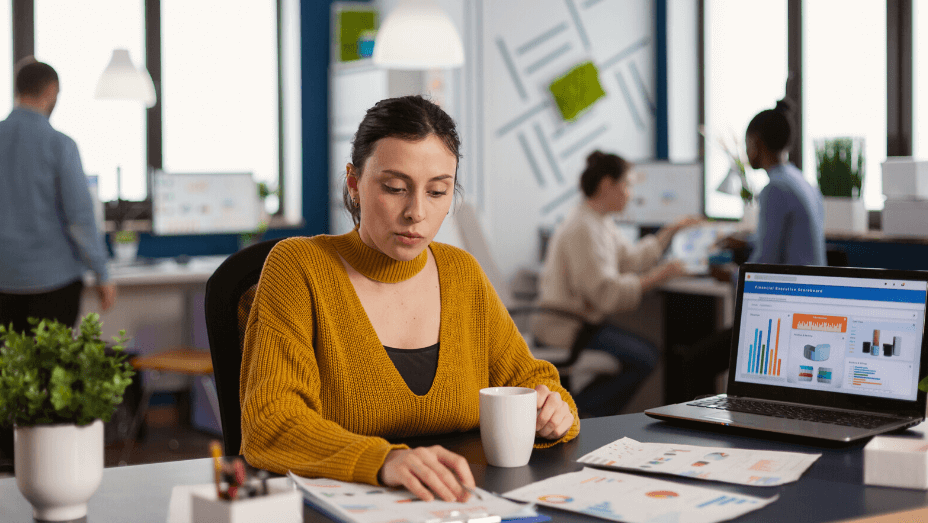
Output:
[[764, 342]]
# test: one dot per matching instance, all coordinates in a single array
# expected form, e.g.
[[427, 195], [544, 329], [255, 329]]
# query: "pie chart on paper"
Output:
[[662, 494]]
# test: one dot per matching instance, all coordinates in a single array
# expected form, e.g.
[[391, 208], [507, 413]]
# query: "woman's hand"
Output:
[[428, 472], [662, 273], [554, 418], [665, 235]]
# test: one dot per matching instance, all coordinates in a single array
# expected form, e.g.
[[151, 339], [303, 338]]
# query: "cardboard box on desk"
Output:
[[899, 460], [905, 177], [905, 218]]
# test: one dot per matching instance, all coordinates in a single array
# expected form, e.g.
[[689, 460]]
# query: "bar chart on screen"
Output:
[[766, 334]]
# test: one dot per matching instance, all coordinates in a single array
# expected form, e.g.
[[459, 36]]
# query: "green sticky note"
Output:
[[351, 25], [577, 90]]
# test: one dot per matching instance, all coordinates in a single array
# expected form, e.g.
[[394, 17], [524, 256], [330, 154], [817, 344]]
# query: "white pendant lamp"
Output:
[[121, 80], [418, 34]]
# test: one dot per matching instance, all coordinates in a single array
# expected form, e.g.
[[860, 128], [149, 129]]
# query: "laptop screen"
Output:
[[833, 334]]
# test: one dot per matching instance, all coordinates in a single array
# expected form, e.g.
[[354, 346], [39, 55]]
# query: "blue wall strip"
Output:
[[315, 42], [662, 151]]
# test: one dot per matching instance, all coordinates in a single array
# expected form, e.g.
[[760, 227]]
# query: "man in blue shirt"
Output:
[[48, 232]]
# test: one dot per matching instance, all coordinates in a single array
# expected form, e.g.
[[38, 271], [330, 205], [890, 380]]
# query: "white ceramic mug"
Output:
[[507, 424]]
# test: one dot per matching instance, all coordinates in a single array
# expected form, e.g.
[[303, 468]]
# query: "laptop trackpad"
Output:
[[735, 417]]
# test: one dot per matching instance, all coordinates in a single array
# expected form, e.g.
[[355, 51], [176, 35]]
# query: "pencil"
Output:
[[216, 449]]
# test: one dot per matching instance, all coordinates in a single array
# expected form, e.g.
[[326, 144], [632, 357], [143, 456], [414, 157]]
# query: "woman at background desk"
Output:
[[790, 231], [592, 270], [382, 333]]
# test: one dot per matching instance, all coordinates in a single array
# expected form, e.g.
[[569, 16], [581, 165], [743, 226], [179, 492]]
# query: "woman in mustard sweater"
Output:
[[381, 333]]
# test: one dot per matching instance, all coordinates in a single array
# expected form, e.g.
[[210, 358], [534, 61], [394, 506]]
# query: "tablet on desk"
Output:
[[694, 246]]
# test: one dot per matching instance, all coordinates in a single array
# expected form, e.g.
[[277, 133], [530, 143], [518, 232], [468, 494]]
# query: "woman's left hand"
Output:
[[554, 418]]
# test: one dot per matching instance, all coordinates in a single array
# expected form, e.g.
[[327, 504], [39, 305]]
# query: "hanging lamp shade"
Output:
[[121, 80], [731, 184], [418, 34]]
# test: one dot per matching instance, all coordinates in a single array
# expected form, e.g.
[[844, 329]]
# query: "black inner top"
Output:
[[416, 366]]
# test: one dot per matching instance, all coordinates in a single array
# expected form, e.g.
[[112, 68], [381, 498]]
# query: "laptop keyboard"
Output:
[[779, 410]]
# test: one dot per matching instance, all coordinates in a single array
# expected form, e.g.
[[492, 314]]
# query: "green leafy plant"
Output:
[[840, 164], [125, 236], [53, 376]]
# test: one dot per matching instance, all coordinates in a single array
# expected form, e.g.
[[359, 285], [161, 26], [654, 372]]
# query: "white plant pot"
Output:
[[125, 252], [749, 219], [845, 215], [58, 468]]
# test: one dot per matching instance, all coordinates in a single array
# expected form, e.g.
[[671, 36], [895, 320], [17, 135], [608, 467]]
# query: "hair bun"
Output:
[[594, 158]]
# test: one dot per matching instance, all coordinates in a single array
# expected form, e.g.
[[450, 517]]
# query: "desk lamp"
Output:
[[418, 34], [121, 80]]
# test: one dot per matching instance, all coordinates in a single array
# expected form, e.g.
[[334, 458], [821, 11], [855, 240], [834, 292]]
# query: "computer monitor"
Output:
[[663, 192], [204, 203]]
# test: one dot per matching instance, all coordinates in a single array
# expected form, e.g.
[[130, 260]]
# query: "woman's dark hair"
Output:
[[600, 165], [411, 118], [773, 126]]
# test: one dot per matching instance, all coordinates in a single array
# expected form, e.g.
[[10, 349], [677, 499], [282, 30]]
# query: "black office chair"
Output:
[[229, 293]]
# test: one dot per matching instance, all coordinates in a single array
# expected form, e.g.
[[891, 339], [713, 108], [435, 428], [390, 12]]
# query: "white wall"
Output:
[[531, 158]]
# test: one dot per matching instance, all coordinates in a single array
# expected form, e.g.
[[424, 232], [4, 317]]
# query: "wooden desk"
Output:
[[831, 490]]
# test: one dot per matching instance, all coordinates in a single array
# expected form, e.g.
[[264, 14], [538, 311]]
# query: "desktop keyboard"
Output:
[[780, 410]]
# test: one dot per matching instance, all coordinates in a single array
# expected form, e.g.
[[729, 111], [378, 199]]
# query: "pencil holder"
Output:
[[283, 507]]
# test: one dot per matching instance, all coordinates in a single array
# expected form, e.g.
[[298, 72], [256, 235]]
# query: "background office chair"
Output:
[[576, 365], [229, 293]]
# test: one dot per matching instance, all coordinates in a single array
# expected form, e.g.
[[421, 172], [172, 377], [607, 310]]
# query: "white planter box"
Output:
[[905, 177], [905, 218], [898, 461], [845, 215]]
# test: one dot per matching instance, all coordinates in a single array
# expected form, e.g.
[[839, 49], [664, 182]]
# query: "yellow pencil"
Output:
[[216, 449]]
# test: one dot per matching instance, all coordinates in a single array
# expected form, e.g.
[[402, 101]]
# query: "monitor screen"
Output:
[[204, 203], [836, 334]]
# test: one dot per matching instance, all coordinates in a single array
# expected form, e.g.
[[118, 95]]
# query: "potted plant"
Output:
[[840, 170], [56, 390], [736, 182], [125, 245]]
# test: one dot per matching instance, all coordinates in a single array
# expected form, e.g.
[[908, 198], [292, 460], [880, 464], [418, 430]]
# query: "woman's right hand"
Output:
[[661, 273], [428, 472]]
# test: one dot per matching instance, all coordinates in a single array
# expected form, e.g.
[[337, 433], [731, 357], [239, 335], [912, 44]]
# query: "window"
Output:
[[746, 70], [78, 39], [844, 82], [6, 60], [220, 88], [919, 79]]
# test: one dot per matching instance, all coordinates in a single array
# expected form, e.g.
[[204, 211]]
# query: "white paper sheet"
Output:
[[759, 468], [636, 499], [364, 503]]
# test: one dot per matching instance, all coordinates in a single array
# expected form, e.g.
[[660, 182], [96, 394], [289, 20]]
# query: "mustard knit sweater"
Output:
[[318, 391]]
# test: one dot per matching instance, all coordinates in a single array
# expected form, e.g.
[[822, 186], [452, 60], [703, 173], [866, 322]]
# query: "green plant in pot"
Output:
[[57, 387], [840, 166], [125, 245], [840, 170]]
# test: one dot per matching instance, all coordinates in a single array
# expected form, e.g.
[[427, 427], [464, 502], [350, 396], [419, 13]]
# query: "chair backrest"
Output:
[[229, 293], [468, 225]]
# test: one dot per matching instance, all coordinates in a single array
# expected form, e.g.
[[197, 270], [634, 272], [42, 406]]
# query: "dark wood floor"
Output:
[[166, 437]]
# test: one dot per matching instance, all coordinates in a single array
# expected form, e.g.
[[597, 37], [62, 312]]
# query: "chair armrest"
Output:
[[581, 340]]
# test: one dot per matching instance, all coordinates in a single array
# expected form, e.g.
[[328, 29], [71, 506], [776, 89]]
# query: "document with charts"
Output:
[[759, 468], [362, 503], [636, 499]]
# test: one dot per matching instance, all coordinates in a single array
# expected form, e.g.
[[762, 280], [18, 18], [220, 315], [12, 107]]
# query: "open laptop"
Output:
[[824, 352]]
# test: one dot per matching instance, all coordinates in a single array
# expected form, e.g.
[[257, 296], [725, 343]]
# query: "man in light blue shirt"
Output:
[[48, 232], [47, 225]]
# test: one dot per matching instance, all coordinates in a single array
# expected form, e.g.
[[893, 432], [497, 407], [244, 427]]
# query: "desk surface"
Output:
[[832, 489]]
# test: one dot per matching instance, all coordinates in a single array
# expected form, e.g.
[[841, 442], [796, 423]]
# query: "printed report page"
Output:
[[857, 336]]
